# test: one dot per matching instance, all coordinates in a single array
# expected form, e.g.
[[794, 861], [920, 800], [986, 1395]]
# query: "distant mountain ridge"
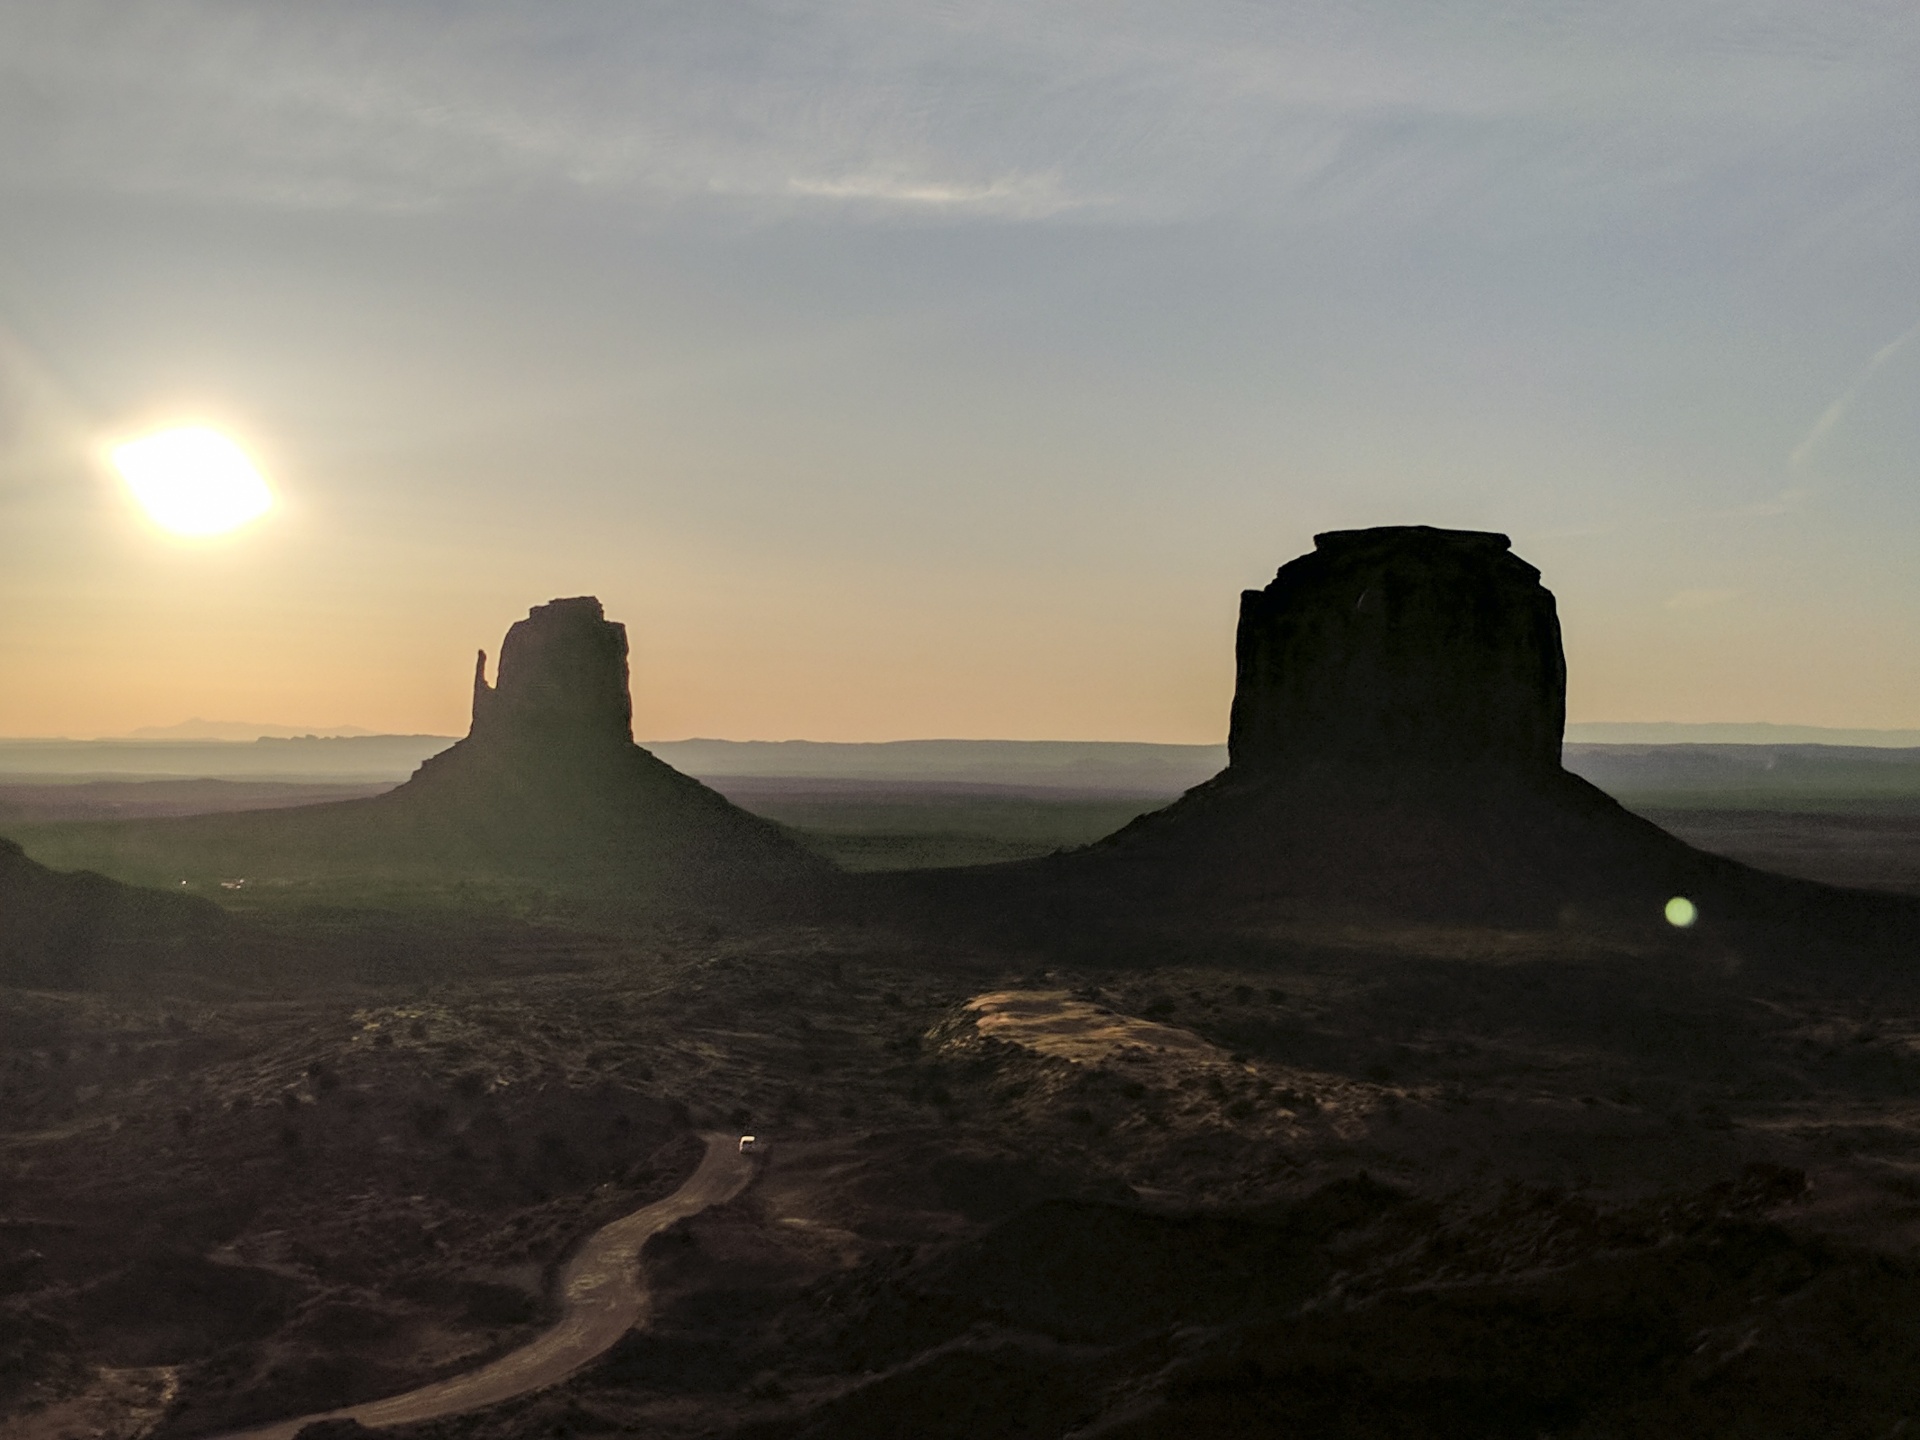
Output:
[[198, 729], [354, 759], [1631, 757], [1095, 765], [1759, 732], [1395, 748]]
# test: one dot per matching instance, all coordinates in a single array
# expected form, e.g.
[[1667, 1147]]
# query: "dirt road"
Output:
[[603, 1297]]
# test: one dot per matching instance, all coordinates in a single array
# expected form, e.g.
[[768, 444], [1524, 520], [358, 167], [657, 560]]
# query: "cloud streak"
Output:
[[1024, 196], [1116, 113], [1837, 411]]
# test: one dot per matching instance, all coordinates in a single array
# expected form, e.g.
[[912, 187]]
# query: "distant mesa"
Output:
[[1400, 650], [1399, 701], [563, 682], [550, 770], [1394, 749], [242, 730], [549, 779], [547, 785]]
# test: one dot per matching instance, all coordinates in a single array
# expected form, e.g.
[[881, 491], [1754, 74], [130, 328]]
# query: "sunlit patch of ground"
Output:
[[1161, 1089], [1053, 1022]]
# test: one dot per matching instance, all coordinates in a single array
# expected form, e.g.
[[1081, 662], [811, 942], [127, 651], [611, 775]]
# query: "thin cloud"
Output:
[[1019, 195], [1837, 411], [1308, 112]]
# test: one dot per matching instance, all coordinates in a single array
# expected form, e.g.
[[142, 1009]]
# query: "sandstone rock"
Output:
[[548, 780], [1395, 751], [1395, 745], [547, 787], [563, 680], [1403, 647]]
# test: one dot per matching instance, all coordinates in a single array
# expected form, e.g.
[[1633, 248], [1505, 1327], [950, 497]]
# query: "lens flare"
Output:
[[193, 481], [1681, 912]]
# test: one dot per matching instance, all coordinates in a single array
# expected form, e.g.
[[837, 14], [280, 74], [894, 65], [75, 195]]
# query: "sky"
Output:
[[940, 369]]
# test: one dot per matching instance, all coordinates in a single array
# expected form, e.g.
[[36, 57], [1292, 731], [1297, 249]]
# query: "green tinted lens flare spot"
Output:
[[1681, 912]]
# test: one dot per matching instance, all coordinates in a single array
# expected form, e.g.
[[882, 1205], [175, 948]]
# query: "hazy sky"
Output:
[[922, 368]]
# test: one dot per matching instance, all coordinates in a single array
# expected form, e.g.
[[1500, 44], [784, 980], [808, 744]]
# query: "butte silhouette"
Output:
[[547, 785], [1394, 749], [549, 773]]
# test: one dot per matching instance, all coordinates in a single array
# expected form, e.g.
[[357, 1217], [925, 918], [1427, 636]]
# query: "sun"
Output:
[[193, 480]]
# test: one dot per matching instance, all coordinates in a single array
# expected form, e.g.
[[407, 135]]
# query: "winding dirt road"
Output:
[[603, 1298]]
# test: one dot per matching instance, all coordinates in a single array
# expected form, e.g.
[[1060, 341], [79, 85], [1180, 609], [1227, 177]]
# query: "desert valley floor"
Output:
[[1328, 1179], [1396, 1081]]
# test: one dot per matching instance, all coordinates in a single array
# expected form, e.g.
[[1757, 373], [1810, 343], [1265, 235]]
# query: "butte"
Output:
[[1394, 751], [548, 785], [549, 775]]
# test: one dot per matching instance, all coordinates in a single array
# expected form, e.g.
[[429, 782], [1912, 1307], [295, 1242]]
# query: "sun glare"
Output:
[[193, 481]]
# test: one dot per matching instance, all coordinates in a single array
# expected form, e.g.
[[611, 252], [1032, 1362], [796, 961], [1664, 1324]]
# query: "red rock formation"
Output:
[[547, 786], [1400, 648], [1395, 749], [1395, 745], [548, 779], [563, 680]]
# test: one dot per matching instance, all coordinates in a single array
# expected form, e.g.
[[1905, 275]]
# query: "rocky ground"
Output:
[[1359, 1180]]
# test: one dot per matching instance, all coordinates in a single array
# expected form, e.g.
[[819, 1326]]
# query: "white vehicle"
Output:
[[750, 1145]]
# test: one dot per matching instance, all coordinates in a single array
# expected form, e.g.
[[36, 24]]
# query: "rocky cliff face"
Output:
[[549, 781], [1400, 648], [562, 680], [1395, 748]]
